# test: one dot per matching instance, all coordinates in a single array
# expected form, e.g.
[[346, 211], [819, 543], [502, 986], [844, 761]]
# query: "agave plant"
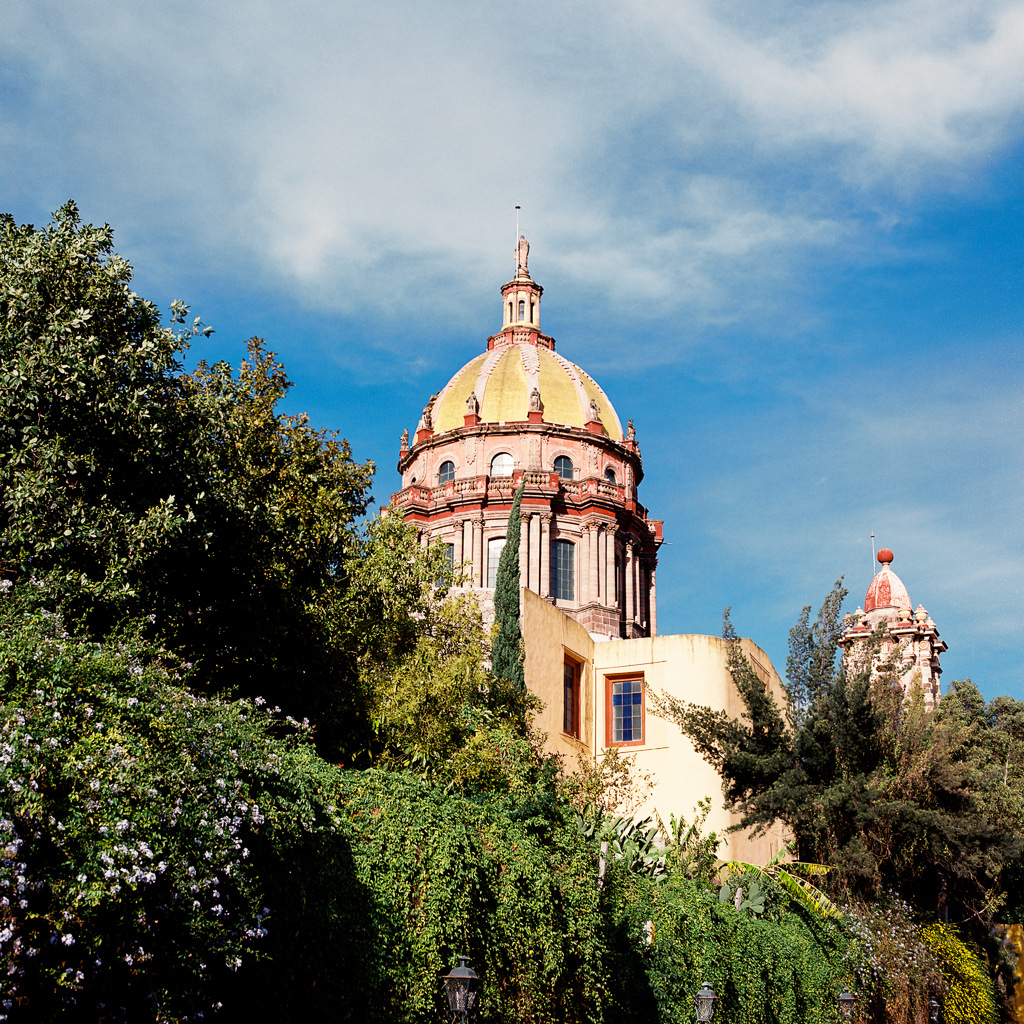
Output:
[[632, 842]]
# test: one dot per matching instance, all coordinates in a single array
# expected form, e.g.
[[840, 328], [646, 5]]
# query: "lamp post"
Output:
[[704, 1002], [933, 1011], [462, 988], [846, 1003]]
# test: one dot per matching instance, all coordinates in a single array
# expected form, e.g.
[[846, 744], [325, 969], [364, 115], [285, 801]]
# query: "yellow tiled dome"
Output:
[[503, 380]]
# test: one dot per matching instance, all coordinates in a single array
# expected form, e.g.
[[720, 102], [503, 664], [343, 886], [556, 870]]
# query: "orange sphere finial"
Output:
[[885, 556]]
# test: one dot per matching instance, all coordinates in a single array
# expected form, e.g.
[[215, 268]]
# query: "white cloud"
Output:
[[367, 156]]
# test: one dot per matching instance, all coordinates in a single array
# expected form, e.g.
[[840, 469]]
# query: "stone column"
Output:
[[609, 565], [479, 556], [545, 554], [627, 559], [534, 583], [524, 549], [654, 599], [593, 561], [645, 597], [460, 535], [582, 561]]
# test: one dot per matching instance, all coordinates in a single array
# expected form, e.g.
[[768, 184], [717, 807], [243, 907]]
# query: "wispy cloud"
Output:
[[366, 155]]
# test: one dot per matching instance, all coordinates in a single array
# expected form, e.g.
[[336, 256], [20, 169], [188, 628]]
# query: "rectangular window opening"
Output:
[[563, 576], [571, 698], [494, 549], [625, 711]]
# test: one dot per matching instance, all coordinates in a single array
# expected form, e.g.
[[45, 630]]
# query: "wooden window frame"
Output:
[[577, 668], [609, 721]]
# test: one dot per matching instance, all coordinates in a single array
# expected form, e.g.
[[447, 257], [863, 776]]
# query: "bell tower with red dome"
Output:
[[913, 632], [520, 413]]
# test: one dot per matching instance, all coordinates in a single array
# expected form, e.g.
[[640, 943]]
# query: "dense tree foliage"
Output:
[[190, 500], [891, 797]]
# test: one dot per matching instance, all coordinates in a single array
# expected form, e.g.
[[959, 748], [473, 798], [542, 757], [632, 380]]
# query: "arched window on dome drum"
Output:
[[522, 309], [563, 467], [501, 465], [510, 312], [494, 549], [609, 474], [563, 575], [446, 472], [533, 318]]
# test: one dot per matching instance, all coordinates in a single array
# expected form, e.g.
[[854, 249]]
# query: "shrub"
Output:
[[971, 997]]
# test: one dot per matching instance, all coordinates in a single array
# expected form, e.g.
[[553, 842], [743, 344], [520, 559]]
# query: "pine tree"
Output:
[[506, 652]]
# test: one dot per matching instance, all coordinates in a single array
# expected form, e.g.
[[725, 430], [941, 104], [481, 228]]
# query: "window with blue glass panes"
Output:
[[627, 710]]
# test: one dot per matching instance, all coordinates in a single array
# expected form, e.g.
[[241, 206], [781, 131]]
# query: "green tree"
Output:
[[507, 649], [887, 794]]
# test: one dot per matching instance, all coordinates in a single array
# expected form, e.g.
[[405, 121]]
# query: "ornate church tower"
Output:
[[914, 633], [520, 413]]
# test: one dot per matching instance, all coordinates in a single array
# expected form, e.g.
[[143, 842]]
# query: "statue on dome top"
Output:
[[536, 405], [405, 439], [472, 405], [426, 422], [630, 431], [522, 252], [595, 410]]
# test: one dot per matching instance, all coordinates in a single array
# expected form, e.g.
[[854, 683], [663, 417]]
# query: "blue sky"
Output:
[[785, 237]]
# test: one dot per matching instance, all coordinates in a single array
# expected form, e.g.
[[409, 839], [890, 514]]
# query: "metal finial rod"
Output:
[[874, 571], [517, 238]]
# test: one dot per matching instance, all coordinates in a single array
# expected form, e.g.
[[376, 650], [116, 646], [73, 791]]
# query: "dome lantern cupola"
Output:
[[520, 305]]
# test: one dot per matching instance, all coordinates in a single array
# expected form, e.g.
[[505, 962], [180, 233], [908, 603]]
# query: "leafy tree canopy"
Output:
[[889, 795]]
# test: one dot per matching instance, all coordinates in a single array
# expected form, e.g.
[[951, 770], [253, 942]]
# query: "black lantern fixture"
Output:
[[462, 988], [704, 1002], [933, 1011], [846, 1004]]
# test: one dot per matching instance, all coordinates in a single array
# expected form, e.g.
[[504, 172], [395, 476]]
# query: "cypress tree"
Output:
[[506, 652]]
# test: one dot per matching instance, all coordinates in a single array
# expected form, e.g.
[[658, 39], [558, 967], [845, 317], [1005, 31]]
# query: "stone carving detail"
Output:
[[405, 440], [469, 451], [630, 432], [522, 253], [590, 453], [536, 405], [534, 453], [595, 410], [472, 405]]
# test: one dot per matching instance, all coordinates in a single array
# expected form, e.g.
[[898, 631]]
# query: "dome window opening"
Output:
[[563, 576], [494, 549], [510, 312], [522, 309], [446, 472], [501, 465], [609, 475], [564, 467], [533, 313]]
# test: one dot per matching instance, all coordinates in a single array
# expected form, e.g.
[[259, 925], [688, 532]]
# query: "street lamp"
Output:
[[704, 1002], [933, 1011], [846, 1004], [462, 988]]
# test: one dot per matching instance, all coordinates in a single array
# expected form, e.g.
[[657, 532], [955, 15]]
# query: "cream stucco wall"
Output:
[[690, 667]]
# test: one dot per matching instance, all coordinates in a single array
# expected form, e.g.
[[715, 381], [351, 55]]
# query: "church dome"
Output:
[[503, 379], [886, 589]]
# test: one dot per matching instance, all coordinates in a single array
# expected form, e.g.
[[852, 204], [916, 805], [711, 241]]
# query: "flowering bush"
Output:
[[128, 809], [895, 970]]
